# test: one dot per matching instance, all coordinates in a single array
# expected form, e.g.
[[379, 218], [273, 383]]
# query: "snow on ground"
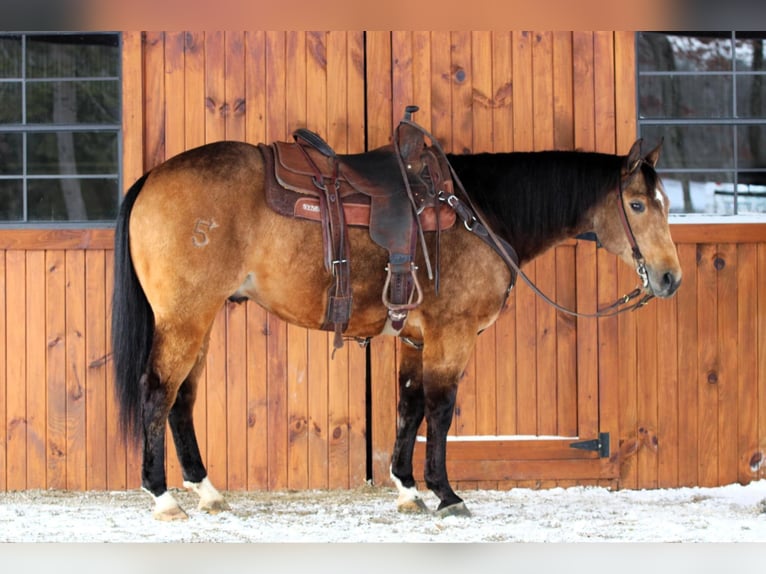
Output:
[[731, 513]]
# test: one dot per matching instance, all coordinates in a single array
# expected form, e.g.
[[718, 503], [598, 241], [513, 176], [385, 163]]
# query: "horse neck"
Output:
[[535, 200]]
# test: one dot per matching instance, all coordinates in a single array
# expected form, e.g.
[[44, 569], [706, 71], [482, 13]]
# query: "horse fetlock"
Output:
[[210, 500]]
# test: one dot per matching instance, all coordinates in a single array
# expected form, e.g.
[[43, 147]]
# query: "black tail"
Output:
[[132, 324]]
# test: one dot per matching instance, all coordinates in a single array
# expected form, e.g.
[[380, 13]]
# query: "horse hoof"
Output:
[[459, 509], [214, 506], [170, 514], [413, 506]]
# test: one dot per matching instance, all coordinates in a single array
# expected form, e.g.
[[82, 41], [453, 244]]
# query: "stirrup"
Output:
[[395, 307]]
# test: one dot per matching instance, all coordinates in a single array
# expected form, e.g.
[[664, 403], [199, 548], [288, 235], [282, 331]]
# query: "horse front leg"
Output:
[[444, 362], [410, 413]]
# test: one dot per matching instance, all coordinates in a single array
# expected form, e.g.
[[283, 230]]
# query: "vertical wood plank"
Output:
[[116, 448], [132, 107], [35, 369], [625, 90], [154, 98], [194, 89], [55, 318], [16, 375], [76, 367], [421, 77], [566, 349], [707, 365], [236, 395], [297, 405], [628, 385], [646, 376], [668, 405], [761, 329], [747, 359], [402, 89], [686, 317], [95, 370], [502, 91], [257, 398], [727, 384], [563, 95], [441, 92], [255, 86], [604, 91]]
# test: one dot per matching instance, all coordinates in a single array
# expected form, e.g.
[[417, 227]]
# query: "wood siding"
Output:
[[680, 385]]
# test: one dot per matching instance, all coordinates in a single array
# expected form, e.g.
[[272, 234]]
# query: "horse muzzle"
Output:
[[662, 283]]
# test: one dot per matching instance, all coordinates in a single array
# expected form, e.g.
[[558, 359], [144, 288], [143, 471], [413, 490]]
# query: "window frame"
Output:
[[25, 129], [729, 120]]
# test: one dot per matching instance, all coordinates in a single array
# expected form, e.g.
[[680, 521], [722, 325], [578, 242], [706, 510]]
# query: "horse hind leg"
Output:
[[185, 439], [175, 352], [410, 412]]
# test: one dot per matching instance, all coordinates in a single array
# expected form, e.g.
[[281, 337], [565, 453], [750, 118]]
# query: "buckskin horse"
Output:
[[403, 240]]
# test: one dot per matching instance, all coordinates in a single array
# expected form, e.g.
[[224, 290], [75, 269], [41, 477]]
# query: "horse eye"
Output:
[[637, 206]]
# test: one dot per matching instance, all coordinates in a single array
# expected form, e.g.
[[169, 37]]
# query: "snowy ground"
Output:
[[732, 513]]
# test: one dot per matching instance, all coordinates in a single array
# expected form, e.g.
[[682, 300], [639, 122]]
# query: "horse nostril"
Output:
[[670, 283]]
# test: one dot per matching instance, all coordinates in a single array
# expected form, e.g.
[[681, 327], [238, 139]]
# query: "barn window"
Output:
[[60, 127], [705, 94]]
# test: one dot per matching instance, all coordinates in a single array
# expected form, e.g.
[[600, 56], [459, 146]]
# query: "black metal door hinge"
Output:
[[600, 445]]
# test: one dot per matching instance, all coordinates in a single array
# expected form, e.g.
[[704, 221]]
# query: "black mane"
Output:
[[534, 199]]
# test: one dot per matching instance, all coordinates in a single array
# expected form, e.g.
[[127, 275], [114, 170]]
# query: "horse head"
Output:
[[632, 223]]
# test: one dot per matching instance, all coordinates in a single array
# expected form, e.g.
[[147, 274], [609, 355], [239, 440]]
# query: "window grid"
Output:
[[733, 118], [24, 129]]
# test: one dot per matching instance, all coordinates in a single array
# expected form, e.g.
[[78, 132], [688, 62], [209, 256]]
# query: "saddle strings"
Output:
[[609, 311]]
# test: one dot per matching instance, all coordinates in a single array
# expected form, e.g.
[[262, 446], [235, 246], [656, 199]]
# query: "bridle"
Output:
[[617, 307]]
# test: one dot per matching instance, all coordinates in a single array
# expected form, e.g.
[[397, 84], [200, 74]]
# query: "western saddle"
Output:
[[397, 191]]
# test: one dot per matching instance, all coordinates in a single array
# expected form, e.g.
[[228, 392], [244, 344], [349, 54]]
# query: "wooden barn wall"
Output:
[[680, 385]]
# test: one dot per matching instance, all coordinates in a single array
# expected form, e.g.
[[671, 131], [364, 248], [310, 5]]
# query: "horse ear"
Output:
[[653, 156], [634, 157]]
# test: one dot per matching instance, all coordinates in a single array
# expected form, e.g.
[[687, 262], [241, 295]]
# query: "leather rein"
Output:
[[475, 223]]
